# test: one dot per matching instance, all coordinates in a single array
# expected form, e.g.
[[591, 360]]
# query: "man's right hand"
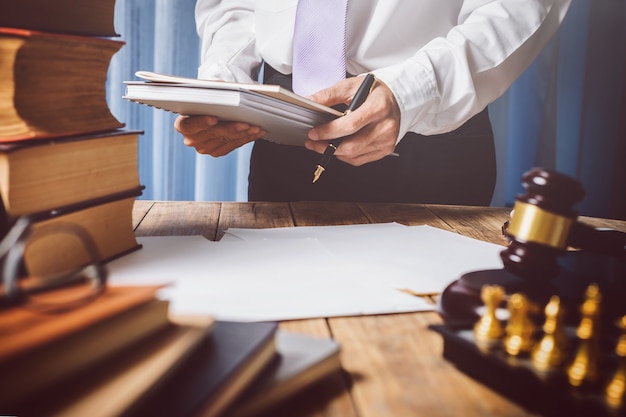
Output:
[[208, 135]]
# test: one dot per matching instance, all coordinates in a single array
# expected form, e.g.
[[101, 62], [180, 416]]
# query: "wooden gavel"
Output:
[[543, 230], [543, 226]]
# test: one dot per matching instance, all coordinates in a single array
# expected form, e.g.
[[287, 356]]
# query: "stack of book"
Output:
[[64, 157], [102, 358], [245, 369], [122, 354]]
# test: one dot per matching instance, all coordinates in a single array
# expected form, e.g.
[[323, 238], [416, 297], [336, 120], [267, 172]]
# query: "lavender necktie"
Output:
[[319, 45]]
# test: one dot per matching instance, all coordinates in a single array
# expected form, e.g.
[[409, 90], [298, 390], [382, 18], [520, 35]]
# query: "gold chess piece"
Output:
[[519, 329], [584, 367], [550, 352], [616, 388], [488, 329]]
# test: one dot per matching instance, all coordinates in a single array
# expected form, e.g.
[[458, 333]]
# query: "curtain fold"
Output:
[[566, 112]]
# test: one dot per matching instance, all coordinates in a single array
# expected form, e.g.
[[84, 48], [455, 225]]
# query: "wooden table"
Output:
[[393, 364]]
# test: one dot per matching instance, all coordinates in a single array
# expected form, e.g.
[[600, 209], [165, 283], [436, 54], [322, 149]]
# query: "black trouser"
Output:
[[453, 168]]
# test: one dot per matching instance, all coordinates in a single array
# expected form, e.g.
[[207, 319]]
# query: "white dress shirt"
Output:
[[444, 60]]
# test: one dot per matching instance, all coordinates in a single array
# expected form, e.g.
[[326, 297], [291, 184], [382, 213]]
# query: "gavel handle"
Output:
[[602, 241]]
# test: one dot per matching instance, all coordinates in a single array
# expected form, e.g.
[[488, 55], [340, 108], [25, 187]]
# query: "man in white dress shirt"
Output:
[[438, 64]]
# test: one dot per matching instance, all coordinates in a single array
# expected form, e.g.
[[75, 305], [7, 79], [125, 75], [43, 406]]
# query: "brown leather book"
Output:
[[38, 350], [38, 175], [107, 220], [80, 17], [121, 384], [53, 85]]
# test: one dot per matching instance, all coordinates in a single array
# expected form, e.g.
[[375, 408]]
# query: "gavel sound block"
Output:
[[550, 253]]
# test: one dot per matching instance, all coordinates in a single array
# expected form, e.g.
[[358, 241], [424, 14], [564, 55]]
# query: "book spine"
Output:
[[71, 208]]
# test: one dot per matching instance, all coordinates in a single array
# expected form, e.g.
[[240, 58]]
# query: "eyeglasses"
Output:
[[56, 290]]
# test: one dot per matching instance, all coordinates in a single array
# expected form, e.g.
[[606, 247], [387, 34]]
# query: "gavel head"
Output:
[[537, 262], [540, 224]]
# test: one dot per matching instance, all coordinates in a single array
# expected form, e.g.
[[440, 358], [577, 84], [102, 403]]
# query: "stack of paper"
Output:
[[285, 116], [304, 272]]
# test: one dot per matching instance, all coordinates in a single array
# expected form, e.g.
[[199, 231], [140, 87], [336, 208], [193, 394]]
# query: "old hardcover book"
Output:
[[80, 17], [107, 220], [38, 349], [117, 386], [38, 175], [302, 362], [215, 376], [285, 116], [53, 85]]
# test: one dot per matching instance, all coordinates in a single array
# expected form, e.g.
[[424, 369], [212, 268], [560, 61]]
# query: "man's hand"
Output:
[[368, 134], [208, 135]]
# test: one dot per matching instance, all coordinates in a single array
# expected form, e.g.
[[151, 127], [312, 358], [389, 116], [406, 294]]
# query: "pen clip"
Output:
[[364, 94]]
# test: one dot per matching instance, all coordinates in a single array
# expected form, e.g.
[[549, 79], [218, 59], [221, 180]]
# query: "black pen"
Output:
[[357, 100]]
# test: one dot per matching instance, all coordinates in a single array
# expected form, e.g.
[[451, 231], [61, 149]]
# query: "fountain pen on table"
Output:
[[357, 100]]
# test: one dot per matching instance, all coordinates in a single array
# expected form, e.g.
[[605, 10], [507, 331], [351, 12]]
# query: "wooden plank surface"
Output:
[[477, 222], [166, 218], [397, 369], [140, 209], [407, 214], [393, 364], [319, 213], [254, 216]]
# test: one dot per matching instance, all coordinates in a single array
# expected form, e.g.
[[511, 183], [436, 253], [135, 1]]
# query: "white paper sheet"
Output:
[[304, 272], [259, 280], [423, 259]]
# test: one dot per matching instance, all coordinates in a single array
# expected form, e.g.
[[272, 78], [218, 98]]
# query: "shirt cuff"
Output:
[[415, 91]]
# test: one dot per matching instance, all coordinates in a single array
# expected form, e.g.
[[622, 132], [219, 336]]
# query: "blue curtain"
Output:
[[160, 36], [566, 112]]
